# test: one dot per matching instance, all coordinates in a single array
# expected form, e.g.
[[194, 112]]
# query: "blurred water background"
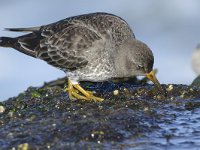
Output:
[[169, 27]]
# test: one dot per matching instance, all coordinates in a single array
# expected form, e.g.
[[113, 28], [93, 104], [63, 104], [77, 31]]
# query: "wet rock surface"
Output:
[[131, 116]]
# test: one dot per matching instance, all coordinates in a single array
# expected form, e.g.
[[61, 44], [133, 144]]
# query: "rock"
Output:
[[115, 92], [137, 117], [196, 82], [2, 109]]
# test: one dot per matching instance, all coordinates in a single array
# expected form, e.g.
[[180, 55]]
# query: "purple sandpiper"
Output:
[[92, 47]]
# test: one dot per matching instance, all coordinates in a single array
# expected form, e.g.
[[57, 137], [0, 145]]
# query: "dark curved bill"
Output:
[[151, 76]]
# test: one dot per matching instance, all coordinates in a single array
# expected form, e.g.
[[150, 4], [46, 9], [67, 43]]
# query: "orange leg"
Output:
[[75, 89]]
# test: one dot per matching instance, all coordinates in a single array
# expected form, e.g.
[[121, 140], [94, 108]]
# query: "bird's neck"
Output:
[[121, 64]]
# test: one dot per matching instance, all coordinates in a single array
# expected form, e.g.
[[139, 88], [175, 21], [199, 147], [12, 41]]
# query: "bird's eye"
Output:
[[140, 67]]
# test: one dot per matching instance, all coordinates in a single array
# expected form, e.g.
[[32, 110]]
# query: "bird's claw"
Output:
[[77, 92]]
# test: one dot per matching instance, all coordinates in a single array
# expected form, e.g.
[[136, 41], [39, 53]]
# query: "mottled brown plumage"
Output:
[[91, 47]]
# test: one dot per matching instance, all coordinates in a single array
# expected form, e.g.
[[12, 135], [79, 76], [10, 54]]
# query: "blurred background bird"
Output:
[[196, 60], [196, 65]]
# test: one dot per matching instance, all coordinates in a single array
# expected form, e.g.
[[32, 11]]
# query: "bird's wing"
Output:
[[66, 48], [60, 44]]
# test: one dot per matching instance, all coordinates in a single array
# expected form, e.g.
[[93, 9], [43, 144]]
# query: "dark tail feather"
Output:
[[26, 44], [6, 41], [14, 43]]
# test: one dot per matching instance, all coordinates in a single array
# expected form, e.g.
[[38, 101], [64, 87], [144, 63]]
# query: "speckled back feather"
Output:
[[64, 44]]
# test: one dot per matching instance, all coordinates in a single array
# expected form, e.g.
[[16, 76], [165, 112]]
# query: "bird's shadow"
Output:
[[106, 86]]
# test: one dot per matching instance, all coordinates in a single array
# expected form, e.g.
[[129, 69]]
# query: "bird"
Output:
[[196, 60], [92, 47]]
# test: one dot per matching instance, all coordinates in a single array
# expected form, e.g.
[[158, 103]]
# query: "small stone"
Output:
[[92, 135], [125, 89], [146, 108], [53, 124], [2, 109], [31, 118], [116, 92], [57, 106], [170, 87], [23, 146], [159, 97], [183, 94], [191, 90], [48, 146], [10, 135], [10, 114]]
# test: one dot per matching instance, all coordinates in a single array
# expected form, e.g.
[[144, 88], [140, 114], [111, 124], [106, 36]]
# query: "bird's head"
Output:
[[137, 59]]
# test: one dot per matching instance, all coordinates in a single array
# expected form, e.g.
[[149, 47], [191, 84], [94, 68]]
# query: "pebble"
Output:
[[116, 92], [23, 146], [146, 108], [170, 87], [2, 109]]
